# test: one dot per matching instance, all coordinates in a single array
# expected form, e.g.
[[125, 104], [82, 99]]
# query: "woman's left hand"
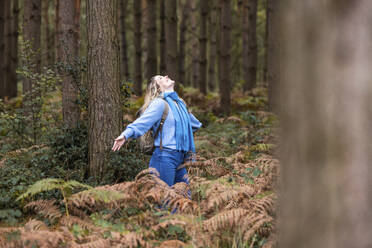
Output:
[[119, 141]]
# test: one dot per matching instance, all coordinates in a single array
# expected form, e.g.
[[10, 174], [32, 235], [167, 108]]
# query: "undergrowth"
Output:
[[232, 182]]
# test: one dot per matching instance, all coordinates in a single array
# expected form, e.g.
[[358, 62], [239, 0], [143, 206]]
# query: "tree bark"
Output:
[[224, 59], [249, 44], [163, 65], [213, 31], [103, 78], [194, 45], [152, 57], [171, 39], [47, 47], [326, 124], [185, 8], [264, 70], [273, 46], [14, 49], [7, 54], [124, 47], [2, 48], [137, 5], [68, 51], [32, 29], [203, 47]]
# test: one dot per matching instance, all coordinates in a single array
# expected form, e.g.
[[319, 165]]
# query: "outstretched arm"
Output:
[[195, 123], [141, 125]]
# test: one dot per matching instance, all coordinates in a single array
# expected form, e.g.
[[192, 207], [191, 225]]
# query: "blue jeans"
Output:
[[166, 161]]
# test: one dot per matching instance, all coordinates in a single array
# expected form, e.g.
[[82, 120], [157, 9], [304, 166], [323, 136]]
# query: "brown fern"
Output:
[[224, 220], [46, 208], [172, 244]]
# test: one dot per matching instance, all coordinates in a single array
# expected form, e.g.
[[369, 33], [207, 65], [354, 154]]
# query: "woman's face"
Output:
[[165, 83]]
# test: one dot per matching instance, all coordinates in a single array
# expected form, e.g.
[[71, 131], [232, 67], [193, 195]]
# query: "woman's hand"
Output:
[[119, 141]]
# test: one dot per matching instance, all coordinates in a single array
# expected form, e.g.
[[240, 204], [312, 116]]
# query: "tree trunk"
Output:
[[171, 39], [182, 49], [14, 50], [224, 59], [326, 120], [194, 45], [213, 31], [47, 52], [2, 48], [68, 51], [249, 44], [137, 5], [124, 48], [7, 54], [163, 65], [152, 57], [264, 70], [203, 47], [273, 64], [103, 76], [32, 29]]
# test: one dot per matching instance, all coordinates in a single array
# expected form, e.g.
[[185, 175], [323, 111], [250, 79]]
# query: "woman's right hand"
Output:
[[119, 141]]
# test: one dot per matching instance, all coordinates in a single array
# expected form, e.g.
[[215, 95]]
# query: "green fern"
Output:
[[262, 147], [66, 188]]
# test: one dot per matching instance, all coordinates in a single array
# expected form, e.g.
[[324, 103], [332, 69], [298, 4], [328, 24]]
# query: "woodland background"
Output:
[[73, 74]]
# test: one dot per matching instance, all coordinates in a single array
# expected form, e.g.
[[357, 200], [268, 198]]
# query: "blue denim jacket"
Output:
[[151, 119]]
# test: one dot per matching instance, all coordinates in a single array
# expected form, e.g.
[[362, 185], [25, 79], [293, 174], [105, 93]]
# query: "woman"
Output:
[[176, 140]]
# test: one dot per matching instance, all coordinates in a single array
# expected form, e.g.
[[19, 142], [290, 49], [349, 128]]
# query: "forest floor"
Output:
[[232, 182]]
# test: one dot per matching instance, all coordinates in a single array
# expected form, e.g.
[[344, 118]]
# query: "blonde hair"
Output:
[[153, 91]]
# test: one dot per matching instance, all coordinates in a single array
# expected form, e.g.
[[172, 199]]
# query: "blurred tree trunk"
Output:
[[47, 52], [14, 49], [152, 57], [213, 31], [31, 32], [171, 39], [2, 48], [264, 70], [56, 34], [7, 55], [163, 65], [249, 44], [103, 77], [124, 46], [326, 120], [224, 59], [273, 46], [137, 5], [194, 44], [203, 47], [185, 8], [68, 45]]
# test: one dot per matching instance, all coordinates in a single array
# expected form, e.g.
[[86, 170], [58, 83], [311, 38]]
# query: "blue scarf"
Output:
[[184, 135]]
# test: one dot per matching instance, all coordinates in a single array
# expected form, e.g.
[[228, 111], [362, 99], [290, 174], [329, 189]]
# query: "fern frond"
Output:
[[257, 226], [45, 208], [265, 204], [165, 224], [38, 239], [69, 221], [262, 147], [42, 185], [99, 243], [181, 189], [224, 220], [172, 244], [183, 205], [91, 197], [35, 225], [50, 184], [133, 240]]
